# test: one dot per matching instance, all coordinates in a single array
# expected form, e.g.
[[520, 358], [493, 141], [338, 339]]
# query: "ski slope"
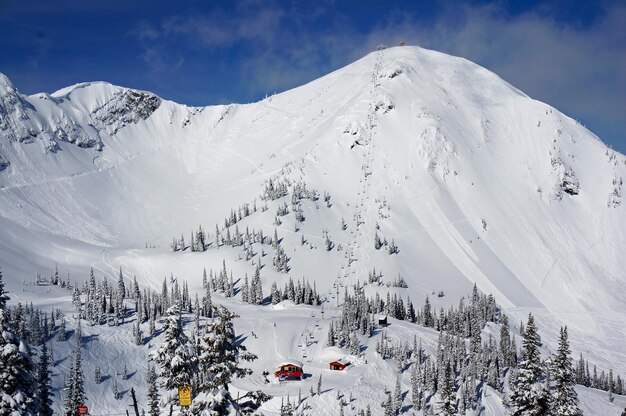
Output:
[[472, 179]]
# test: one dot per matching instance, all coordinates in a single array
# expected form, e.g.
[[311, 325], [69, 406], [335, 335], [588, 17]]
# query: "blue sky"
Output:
[[570, 54]]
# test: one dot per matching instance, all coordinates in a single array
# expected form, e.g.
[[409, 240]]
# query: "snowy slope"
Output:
[[473, 180]]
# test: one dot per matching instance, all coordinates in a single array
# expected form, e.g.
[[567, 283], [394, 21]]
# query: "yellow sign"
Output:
[[184, 395]]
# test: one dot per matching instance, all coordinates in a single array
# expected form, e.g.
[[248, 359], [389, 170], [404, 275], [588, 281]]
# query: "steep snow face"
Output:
[[473, 180], [13, 114]]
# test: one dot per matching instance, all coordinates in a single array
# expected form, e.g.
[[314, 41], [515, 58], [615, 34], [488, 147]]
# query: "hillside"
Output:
[[471, 179]]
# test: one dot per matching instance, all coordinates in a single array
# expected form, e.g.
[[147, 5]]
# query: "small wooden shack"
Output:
[[382, 320], [339, 365], [290, 369]]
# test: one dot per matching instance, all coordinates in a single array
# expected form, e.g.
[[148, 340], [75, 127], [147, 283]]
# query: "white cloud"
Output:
[[579, 70]]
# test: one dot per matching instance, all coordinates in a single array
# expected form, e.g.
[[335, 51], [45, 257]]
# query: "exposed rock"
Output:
[[126, 107]]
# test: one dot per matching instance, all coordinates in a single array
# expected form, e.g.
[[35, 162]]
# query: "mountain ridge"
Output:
[[474, 180]]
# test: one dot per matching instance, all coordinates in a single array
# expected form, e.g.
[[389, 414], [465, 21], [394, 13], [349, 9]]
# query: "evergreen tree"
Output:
[[137, 333], [331, 335], [527, 397], [78, 379], [121, 287], [153, 392], [176, 356], [116, 390], [151, 326], [319, 385], [219, 361], [397, 396], [257, 290], [3, 294], [17, 384], [44, 389], [276, 297], [245, 289], [416, 391], [207, 304], [505, 343], [354, 347], [446, 393], [427, 314], [70, 405], [564, 398], [220, 354]]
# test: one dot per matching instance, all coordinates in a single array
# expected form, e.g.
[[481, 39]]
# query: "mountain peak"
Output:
[[5, 82], [6, 86], [94, 86]]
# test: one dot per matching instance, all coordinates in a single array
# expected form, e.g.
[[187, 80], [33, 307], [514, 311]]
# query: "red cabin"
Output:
[[339, 365], [290, 369]]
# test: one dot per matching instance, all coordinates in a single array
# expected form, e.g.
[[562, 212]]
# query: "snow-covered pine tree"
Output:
[[377, 243], [527, 396], [446, 393], [153, 392], [493, 379], [257, 290], [17, 383], [44, 389], [393, 248], [219, 361], [137, 333], [354, 346], [427, 314], [416, 390], [505, 343], [196, 314], [176, 356], [397, 395], [121, 287], [151, 326], [319, 385], [276, 296], [78, 378], [116, 389], [327, 241], [331, 335], [69, 404], [245, 289], [62, 335], [230, 291], [207, 304], [564, 401]]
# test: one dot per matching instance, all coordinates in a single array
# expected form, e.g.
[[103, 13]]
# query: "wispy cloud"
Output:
[[577, 68]]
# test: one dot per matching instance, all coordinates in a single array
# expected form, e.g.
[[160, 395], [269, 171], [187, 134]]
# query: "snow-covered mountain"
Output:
[[474, 181]]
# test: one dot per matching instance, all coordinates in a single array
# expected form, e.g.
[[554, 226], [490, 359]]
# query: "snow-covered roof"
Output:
[[293, 362], [342, 361]]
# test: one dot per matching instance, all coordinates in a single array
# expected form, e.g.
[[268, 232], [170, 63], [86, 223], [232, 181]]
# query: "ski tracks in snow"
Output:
[[361, 229]]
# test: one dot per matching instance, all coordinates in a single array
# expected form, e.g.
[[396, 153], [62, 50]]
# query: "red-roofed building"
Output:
[[290, 369], [339, 365]]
